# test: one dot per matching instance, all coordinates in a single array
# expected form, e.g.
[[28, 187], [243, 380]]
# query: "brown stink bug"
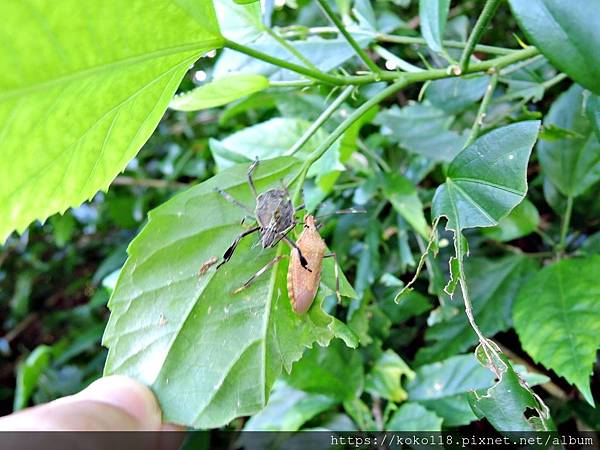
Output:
[[302, 286], [274, 214]]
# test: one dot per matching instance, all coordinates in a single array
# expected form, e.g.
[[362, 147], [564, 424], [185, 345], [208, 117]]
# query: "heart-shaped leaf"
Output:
[[487, 179], [208, 355], [79, 97]]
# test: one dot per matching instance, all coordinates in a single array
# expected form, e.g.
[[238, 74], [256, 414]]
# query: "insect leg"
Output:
[[227, 196], [337, 275], [250, 172], [303, 261], [231, 249], [299, 208], [258, 274]]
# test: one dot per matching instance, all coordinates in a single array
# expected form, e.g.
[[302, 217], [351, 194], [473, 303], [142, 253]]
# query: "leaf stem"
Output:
[[489, 92], [394, 39], [320, 120], [342, 29], [291, 49], [487, 347], [431, 74], [482, 22], [310, 73], [554, 80], [565, 225], [337, 133]]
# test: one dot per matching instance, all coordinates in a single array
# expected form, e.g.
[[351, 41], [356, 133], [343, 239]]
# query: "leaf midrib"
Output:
[[78, 74]]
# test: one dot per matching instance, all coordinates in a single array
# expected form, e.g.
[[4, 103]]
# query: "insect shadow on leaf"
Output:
[[274, 215]]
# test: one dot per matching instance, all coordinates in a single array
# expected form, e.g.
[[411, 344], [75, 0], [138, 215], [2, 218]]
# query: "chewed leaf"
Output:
[[208, 355], [508, 404]]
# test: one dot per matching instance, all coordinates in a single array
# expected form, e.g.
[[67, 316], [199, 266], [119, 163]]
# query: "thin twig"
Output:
[[342, 29], [321, 120], [489, 92], [564, 229], [482, 22], [291, 49]]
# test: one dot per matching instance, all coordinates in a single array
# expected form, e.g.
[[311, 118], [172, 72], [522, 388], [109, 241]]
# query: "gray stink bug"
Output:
[[302, 284], [274, 214]]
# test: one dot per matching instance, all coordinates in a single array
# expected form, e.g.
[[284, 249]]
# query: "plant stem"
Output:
[[431, 74], [565, 224], [310, 73], [489, 92], [291, 49], [292, 83], [342, 29], [448, 44], [554, 80], [320, 120], [337, 133], [482, 22]]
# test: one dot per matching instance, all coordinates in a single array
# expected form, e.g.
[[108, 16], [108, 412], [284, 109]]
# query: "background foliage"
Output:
[[480, 191]]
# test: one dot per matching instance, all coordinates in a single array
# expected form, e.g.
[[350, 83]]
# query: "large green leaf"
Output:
[[82, 87], [567, 33], [433, 15], [557, 318], [219, 92], [493, 285], [487, 179], [208, 355], [442, 387], [572, 162]]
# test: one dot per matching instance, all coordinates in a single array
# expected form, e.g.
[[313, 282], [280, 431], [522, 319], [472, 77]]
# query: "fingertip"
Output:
[[128, 395]]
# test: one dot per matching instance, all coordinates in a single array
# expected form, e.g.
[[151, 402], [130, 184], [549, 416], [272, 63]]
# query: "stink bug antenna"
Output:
[[343, 211]]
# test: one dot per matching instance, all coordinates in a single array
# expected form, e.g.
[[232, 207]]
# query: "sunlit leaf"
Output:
[[219, 92], [83, 87]]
